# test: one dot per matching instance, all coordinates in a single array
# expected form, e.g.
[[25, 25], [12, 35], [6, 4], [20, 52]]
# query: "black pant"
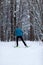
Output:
[[21, 39]]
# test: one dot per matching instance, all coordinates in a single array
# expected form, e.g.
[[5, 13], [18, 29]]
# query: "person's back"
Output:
[[18, 32]]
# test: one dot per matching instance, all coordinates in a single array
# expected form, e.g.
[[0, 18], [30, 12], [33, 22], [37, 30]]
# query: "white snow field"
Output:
[[33, 55]]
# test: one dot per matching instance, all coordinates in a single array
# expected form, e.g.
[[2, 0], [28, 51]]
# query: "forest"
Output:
[[28, 14]]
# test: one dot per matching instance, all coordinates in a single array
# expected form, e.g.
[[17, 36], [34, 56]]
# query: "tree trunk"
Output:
[[11, 20]]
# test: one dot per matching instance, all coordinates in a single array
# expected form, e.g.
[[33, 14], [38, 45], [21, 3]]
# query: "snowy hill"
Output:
[[33, 55]]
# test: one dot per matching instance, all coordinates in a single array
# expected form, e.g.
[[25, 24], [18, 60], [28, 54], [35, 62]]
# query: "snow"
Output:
[[33, 55]]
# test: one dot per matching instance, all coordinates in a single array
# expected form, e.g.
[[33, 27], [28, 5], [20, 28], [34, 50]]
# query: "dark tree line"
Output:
[[29, 15]]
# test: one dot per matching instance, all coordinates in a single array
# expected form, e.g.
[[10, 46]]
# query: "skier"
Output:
[[19, 34]]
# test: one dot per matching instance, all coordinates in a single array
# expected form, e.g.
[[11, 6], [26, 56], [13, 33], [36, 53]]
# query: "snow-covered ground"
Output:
[[33, 55]]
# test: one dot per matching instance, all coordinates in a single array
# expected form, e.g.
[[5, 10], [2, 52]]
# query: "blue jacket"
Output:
[[18, 32]]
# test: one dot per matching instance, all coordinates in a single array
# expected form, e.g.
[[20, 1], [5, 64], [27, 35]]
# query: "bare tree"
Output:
[[1, 21]]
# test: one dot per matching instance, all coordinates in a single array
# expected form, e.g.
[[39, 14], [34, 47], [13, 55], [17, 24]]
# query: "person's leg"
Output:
[[23, 41], [17, 41]]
